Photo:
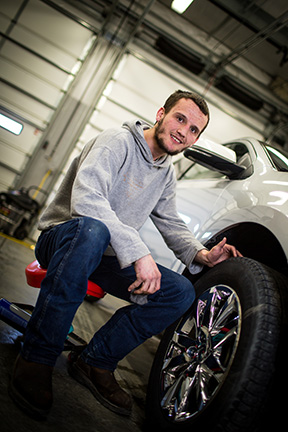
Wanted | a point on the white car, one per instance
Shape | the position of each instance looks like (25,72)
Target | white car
(219,367)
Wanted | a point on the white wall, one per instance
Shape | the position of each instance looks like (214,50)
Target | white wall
(37,65)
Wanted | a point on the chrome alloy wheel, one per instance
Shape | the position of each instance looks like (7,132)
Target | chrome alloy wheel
(200,353)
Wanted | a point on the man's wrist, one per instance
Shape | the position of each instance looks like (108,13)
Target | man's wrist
(202,257)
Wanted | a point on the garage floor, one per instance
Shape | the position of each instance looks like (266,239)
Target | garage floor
(74,408)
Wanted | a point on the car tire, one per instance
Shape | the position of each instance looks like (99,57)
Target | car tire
(215,367)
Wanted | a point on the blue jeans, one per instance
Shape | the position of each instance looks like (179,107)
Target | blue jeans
(72,252)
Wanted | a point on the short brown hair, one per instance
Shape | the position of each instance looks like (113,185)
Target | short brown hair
(195,97)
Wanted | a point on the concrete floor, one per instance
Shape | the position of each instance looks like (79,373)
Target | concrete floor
(74,406)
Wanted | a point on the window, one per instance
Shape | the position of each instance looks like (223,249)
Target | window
(10,125)
(187,170)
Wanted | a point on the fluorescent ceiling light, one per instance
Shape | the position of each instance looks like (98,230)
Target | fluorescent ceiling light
(10,124)
(180,5)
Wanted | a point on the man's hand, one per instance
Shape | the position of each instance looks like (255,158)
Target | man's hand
(221,252)
(148,276)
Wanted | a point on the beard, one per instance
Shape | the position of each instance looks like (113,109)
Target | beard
(160,142)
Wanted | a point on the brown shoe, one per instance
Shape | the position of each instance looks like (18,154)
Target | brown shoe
(103,385)
(31,387)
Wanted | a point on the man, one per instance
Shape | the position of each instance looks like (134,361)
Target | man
(90,230)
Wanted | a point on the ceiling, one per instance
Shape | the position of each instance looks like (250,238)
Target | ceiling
(232,23)
(237,47)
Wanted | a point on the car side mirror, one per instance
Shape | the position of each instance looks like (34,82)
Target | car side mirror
(214,162)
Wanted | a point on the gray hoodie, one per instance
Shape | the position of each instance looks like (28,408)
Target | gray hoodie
(116,180)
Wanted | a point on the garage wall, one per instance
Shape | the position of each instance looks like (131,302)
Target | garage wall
(41,52)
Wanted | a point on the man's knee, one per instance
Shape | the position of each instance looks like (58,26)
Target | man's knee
(95,231)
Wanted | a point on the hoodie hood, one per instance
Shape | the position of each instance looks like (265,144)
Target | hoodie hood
(136,128)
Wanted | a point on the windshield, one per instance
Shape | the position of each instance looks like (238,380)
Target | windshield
(279,157)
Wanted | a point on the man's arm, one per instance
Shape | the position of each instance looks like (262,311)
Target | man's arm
(148,277)
(221,252)
(174,231)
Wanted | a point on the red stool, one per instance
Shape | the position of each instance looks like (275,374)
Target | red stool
(35,274)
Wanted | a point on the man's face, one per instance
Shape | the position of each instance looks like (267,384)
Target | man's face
(180,127)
